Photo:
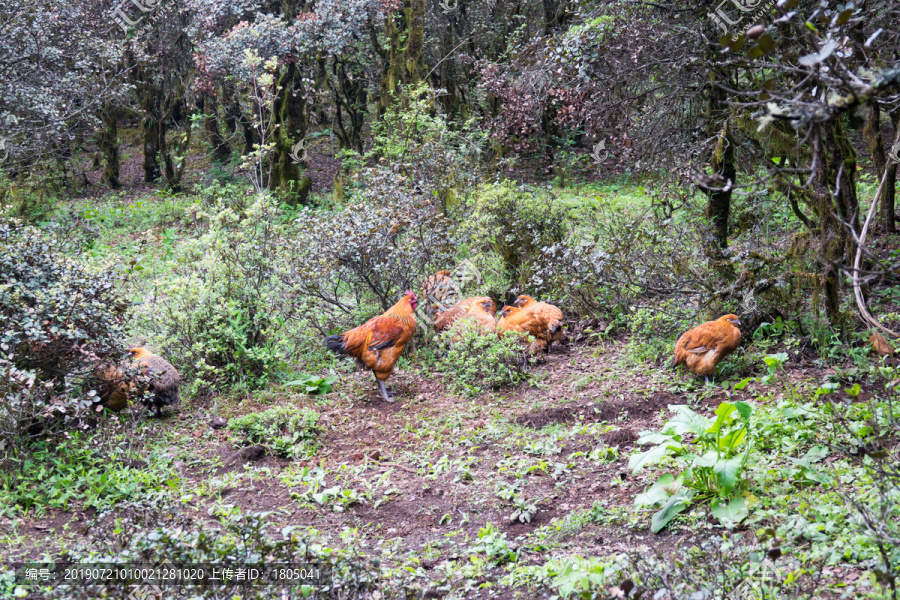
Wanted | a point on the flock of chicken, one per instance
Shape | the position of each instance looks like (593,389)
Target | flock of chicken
(378,343)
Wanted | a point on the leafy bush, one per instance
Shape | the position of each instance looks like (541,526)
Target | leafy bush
(386,243)
(713,461)
(287,431)
(515,222)
(654,328)
(220,317)
(623,258)
(492,545)
(58,317)
(477,360)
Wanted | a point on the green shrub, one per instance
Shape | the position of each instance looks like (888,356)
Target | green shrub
(476,360)
(654,329)
(219,318)
(712,460)
(285,430)
(24,201)
(312,384)
(385,244)
(58,318)
(516,222)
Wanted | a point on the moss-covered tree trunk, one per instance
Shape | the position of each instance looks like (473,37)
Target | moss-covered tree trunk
(149,99)
(221,150)
(235,119)
(402,66)
(875,140)
(888,211)
(718,206)
(350,96)
(108,142)
(175,156)
(413,67)
(390,71)
(835,192)
(289,159)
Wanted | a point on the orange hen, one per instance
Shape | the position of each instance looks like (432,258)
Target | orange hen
(513,318)
(378,343)
(479,308)
(702,348)
(548,313)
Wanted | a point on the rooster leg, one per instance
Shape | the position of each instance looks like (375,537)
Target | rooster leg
(384,393)
(549,344)
(706,377)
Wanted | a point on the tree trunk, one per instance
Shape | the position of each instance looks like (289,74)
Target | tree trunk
(845,198)
(108,141)
(221,151)
(150,132)
(413,70)
(554,15)
(175,164)
(390,71)
(718,208)
(291,125)
(833,238)
(889,192)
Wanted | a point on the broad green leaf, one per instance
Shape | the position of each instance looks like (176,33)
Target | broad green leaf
(652,437)
(708,460)
(656,494)
(745,409)
(685,420)
(729,513)
(727,471)
(733,439)
(651,456)
(773,360)
(742,384)
(722,412)
(675,505)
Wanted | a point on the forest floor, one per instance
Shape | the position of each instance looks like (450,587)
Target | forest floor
(419,482)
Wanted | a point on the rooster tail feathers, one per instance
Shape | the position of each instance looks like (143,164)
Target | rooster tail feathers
(335,343)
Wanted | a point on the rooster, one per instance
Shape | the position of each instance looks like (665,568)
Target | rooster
(379,342)
(480,308)
(548,313)
(513,318)
(702,348)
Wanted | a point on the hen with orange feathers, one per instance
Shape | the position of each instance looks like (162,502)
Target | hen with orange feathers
(702,348)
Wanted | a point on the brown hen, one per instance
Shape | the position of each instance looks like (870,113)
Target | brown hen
(480,308)
(548,313)
(704,346)
(513,318)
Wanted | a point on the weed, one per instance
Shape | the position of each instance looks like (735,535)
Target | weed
(285,430)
